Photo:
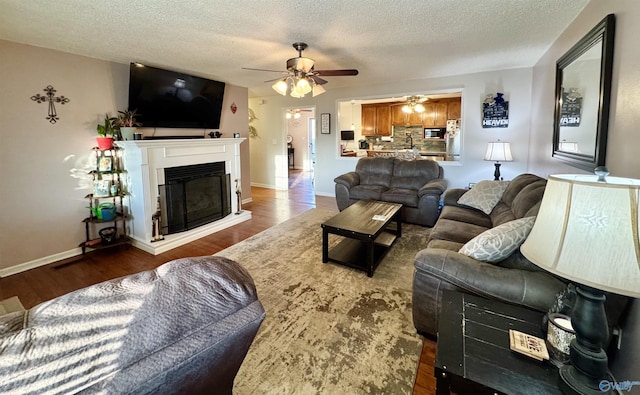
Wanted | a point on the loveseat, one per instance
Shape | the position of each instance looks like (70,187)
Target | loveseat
(183,328)
(514,279)
(416,184)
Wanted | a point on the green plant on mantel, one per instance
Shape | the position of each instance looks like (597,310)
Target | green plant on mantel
(127,119)
(108,128)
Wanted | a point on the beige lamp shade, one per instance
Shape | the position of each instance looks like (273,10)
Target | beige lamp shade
(498,151)
(587,231)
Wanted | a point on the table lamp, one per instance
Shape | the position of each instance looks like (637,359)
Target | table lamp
(587,231)
(498,151)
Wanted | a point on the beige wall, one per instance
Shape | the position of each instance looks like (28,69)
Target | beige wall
(623,142)
(42,204)
(515,83)
(622,153)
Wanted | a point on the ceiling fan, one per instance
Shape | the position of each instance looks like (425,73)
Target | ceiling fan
(301,77)
(414,104)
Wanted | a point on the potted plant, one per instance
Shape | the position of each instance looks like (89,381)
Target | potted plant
(106,131)
(127,123)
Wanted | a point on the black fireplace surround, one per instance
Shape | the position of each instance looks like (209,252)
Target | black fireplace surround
(194,195)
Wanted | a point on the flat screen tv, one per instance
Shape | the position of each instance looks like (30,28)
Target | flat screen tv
(347,135)
(169,99)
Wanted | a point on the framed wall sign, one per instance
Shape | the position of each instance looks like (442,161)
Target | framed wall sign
(325,122)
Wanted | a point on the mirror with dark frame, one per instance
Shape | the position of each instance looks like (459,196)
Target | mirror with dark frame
(583,90)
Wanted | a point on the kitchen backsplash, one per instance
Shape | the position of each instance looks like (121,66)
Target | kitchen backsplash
(401,141)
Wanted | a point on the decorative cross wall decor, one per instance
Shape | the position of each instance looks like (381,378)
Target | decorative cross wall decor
(50,97)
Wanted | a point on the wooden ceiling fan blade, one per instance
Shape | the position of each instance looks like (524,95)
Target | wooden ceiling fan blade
(336,73)
(318,80)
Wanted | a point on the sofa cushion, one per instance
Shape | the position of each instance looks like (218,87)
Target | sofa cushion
(467,216)
(485,195)
(456,231)
(375,171)
(498,243)
(445,245)
(527,202)
(406,197)
(410,174)
(501,214)
(517,185)
(367,191)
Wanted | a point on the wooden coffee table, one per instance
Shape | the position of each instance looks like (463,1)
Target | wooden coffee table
(367,235)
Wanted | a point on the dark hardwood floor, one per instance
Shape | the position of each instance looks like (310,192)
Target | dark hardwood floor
(268,207)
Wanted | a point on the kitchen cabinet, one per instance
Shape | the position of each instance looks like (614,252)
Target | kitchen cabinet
(400,118)
(435,114)
(376,119)
(454,109)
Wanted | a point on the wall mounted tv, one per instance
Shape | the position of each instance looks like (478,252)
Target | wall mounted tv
(168,99)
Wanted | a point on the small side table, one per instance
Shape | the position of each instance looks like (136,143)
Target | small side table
(473,354)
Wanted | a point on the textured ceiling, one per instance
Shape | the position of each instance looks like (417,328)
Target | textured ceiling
(386,40)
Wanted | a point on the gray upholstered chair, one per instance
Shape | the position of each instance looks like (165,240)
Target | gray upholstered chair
(183,328)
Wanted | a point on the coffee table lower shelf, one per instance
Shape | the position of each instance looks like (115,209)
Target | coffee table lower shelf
(353,252)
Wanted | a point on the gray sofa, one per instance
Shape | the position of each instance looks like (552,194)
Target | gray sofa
(439,266)
(416,184)
(184,327)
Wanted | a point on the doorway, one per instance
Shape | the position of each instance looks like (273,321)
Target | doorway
(300,135)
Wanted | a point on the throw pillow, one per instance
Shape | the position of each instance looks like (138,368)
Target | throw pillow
(498,243)
(484,195)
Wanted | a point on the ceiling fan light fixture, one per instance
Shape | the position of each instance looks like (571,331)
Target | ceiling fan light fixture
(418,108)
(295,93)
(303,87)
(406,109)
(281,87)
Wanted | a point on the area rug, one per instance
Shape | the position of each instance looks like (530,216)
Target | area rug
(329,329)
(10,305)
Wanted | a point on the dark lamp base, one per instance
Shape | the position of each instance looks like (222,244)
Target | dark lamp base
(589,363)
(496,174)
(573,382)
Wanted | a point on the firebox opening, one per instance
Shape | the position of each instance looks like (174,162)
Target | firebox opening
(194,195)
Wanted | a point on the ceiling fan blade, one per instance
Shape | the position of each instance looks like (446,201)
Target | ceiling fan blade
(273,71)
(274,79)
(318,80)
(336,73)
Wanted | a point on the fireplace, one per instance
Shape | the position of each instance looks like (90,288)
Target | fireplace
(193,196)
(206,167)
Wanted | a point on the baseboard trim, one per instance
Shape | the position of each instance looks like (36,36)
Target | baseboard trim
(206,230)
(23,267)
(268,186)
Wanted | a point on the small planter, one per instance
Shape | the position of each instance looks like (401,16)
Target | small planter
(107,211)
(105,142)
(127,132)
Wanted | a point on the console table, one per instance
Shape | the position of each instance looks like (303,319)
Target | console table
(473,354)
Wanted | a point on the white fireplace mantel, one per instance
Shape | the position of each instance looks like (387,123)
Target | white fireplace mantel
(145,161)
